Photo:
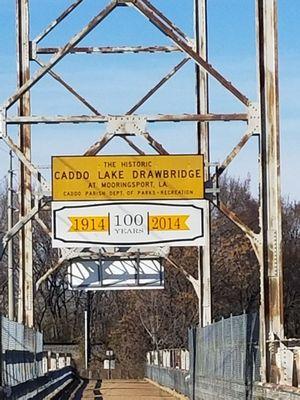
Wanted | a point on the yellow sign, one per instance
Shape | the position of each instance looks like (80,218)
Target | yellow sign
(155,223)
(89,224)
(77,178)
(168,223)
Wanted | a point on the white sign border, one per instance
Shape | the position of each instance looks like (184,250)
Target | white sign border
(160,243)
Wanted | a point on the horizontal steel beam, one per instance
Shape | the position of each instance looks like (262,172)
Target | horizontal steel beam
(57,119)
(122,255)
(111,49)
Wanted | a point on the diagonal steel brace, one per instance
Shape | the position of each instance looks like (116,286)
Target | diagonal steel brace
(60,54)
(155,17)
(254,127)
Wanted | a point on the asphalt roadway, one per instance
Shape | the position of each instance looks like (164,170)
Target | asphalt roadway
(123,390)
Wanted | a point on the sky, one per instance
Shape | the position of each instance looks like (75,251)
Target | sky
(113,83)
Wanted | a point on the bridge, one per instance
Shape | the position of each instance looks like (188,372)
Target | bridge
(144,272)
(203,371)
(133,390)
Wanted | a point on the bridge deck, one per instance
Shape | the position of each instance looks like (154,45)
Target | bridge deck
(125,390)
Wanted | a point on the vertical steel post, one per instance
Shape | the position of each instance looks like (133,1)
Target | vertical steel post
(272,268)
(86,345)
(109,368)
(262,325)
(202,103)
(25,314)
(87,335)
(200,288)
(10,253)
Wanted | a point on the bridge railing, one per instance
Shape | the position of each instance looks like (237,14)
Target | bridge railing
(21,353)
(225,358)
(24,367)
(170,368)
(224,363)
(54,361)
(170,358)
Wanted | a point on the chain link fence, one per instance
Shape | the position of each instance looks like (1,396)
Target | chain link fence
(21,353)
(170,368)
(225,358)
(223,361)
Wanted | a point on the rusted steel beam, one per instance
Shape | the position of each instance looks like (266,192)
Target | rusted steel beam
(195,282)
(21,224)
(69,254)
(235,151)
(271,169)
(10,245)
(25,306)
(86,103)
(111,49)
(202,107)
(158,86)
(54,23)
(133,146)
(255,238)
(155,17)
(235,219)
(42,224)
(197,117)
(58,56)
(24,221)
(26,162)
(154,144)
(202,93)
(34,119)
(126,253)
(166,20)
(271,311)
(70,89)
(97,146)
(94,149)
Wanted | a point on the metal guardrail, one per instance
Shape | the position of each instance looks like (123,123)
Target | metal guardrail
(44,387)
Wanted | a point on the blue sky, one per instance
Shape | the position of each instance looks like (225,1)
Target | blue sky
(113,83)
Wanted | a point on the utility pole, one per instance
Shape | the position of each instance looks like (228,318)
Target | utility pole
(271,267)
(202,104)
(10,252)
(25,312)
